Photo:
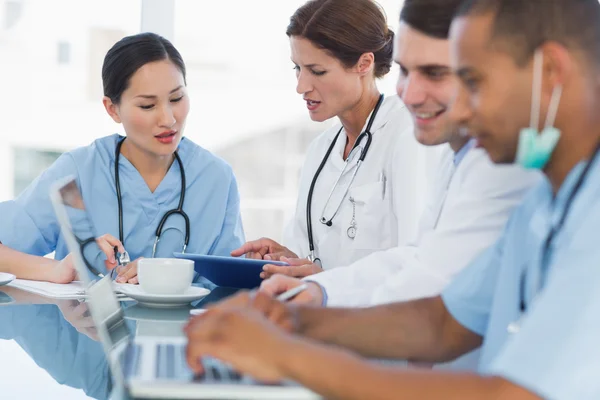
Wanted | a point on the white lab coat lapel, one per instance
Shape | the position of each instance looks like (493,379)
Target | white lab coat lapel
(438,195)
(377,218)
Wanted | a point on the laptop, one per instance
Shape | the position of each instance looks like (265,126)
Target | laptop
(144,366)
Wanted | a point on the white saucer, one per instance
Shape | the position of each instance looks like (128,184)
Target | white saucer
(6,278)
(163,300)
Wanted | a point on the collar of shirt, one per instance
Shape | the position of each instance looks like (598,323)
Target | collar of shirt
(460,154)
(389,108)
(551,207)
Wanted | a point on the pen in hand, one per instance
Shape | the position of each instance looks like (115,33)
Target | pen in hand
(290,294)
(285,296)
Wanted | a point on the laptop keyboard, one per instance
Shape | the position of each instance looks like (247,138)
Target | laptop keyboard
(171,364)
(215,371)
(131,359)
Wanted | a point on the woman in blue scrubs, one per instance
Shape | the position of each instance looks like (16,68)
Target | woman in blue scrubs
(145,90)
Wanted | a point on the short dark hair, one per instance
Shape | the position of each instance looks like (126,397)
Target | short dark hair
(430,17)
(524,25)
(130,54)
(346,29)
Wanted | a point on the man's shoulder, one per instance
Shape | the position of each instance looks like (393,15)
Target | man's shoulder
(478,173)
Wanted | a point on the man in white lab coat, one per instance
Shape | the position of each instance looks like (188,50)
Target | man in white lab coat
(469,203)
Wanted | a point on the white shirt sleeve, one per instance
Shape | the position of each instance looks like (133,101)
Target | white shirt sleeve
(472,221)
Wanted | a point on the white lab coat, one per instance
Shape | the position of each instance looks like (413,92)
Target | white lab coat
(467,210)
(386,208)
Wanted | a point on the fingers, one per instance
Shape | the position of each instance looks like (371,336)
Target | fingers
(107,244)
(193,354)
(113,241)
(245,248)
(297,271)
(279,284)
(313,295)
(128,273)
(203,332)
(259,255)
(295,261)
(274,310)
(266,275)
(270,270)
(260,246)
(279,253)
(280,316)
(275,256)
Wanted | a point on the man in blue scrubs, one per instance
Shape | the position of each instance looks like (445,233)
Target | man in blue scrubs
(530,94)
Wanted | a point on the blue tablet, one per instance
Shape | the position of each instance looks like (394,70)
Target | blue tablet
(236,272)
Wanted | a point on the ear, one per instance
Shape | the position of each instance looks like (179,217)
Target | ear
(559,66)
(112,109)
(365,64)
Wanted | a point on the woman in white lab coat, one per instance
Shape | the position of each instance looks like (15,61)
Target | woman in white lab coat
(346,208)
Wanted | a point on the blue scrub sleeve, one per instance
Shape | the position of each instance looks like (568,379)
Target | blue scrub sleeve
(556,352)
(469,296)
(29,223)
(232,232)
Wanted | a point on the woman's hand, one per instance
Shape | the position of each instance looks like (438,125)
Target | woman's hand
(64,271)
(298,268)
(263,249)
(107,244)
(128,273)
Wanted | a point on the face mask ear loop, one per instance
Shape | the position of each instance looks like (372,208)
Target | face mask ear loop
(536,92)
(553,107)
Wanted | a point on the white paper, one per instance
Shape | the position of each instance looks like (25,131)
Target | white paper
(73,290)
(70,291)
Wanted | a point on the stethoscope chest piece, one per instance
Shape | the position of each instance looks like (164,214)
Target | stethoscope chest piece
(351,232)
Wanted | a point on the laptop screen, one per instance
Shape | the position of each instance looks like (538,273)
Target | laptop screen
(78,230)
(88,259)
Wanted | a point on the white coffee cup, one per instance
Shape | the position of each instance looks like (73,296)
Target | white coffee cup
(165,275)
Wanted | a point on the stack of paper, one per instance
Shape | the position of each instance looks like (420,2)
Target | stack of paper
(73,290)
(69,291)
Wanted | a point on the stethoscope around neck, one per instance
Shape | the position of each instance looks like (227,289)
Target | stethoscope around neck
(329,221)
(515,326)
(176,211)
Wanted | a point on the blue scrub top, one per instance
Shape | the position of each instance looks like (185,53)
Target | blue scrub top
(556,352)
(212,203)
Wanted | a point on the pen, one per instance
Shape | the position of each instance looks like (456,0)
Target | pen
(290,294)
(382,179)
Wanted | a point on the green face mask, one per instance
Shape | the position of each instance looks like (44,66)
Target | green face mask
(535,148)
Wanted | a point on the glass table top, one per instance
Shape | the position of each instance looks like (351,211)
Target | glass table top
(50,349)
